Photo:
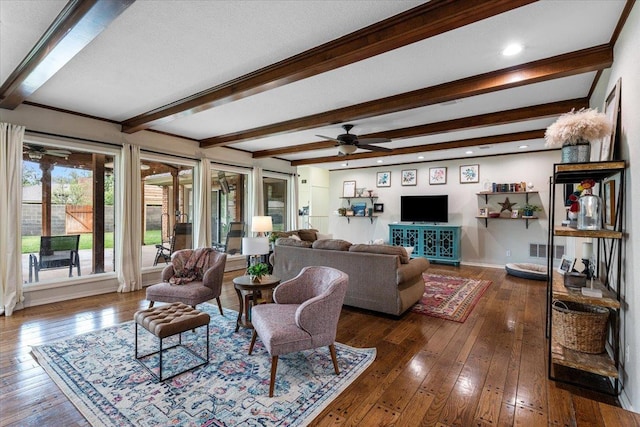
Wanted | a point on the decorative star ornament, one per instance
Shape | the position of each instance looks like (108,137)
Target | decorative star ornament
(506,205)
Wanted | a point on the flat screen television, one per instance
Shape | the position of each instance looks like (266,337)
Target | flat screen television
(432,208)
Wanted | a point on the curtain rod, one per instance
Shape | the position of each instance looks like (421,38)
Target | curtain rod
(36,132)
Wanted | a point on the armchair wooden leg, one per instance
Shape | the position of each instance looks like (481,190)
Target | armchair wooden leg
(332,349)
(274,367)
(219,306)
(253,341)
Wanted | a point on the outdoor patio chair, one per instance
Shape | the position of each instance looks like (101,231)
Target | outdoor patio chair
(55,252)
(181,239)
(305,315)
(233,243)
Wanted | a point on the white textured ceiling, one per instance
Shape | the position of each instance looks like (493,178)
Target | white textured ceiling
(158,52)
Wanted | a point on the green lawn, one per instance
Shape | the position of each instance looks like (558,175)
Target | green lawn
(31,244)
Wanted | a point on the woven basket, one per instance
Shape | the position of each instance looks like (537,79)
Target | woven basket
(580,327)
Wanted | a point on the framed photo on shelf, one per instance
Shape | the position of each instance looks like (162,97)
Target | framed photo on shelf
(437,176)
(609,203)
(378,207)
(409,177)
(515,213)
(566,264)
(469,174)
(483,212)
(349,189)
(359,209)
(611,110)
(383,179)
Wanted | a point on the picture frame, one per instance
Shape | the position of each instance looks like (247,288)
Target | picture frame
(515,213)
(359,209)
(483,212)
(409,177)
(349,189)
(437,176)
(378,207)
(348,212)
(469,174)
(609,203)
(566,264)
(383,179)
(611,110)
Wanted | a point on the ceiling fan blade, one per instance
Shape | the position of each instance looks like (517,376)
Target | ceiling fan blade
(329,138)
(58,153)
(374,148)
(373,140)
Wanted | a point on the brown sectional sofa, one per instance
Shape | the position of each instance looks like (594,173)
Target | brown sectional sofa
(381,278)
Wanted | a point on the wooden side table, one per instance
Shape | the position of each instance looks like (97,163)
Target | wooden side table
(252,291)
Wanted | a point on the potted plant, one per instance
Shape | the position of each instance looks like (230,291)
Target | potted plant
(574,131)
(256,271)
(528,210)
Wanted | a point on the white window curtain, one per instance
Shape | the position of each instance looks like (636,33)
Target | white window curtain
(202,220)
(258,196)
(129,218)
(11,296)
(293,202)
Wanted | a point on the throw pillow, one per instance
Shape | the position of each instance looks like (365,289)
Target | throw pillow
(378,242)
(295,237)
(382,249)
(324,236)
(287,241)
(309,235)
(332,244)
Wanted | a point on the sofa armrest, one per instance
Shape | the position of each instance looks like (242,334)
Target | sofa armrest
(414,268)
(167,273)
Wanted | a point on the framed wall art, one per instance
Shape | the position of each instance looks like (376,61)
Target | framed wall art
(611,110)
(437,176)
(483,212)
(383,179)
(409,177)
(378,207)
(349,189)
(469,174)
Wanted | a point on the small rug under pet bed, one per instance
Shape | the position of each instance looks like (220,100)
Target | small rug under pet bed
(99,374)
(449,297)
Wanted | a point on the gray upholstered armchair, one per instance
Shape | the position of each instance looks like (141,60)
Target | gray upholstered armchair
(305,315)
(193,292)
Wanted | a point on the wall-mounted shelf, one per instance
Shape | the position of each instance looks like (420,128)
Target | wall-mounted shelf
(526,194)
(358,217)
(372,198)
(524,218)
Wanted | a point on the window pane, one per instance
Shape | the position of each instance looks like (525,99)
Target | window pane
(275,200)
(67,213)
(228,207)
(167,210)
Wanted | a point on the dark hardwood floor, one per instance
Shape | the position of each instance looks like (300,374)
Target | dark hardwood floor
(487,371)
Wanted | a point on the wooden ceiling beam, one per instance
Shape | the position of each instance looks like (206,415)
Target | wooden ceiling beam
(570,64)
(75,27)
(473,122)
(472,142)
(424,21)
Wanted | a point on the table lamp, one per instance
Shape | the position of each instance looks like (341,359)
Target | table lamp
(254,247)
(261,224)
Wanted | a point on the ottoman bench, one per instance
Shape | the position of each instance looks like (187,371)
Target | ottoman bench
(166,321)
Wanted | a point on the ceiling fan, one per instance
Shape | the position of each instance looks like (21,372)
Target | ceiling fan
(36,152)
(348,143)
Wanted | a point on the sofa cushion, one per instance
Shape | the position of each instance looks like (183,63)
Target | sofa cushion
(279,234)
(382,249)
(332,244)
(287,241)
(310,235)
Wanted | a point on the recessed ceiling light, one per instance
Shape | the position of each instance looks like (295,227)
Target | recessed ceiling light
(379,161)
(344,164)
(420,157)
(512,49)
(523,146)
(468,152)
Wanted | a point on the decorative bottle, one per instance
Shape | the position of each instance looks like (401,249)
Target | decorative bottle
(590,213)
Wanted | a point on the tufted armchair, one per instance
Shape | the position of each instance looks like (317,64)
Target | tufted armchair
(305,315)
(194,292)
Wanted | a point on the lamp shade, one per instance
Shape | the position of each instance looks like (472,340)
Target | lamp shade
(255,245)
(261,224)
(347,149)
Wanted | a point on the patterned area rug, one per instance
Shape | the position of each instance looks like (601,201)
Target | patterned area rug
(449,297)
(99,374)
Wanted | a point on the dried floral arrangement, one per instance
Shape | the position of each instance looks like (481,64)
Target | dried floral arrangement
(583,125)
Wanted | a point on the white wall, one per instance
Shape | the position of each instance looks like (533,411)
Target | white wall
(626,67)
(480,245)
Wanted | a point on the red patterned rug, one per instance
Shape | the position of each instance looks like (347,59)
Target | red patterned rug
(449,297)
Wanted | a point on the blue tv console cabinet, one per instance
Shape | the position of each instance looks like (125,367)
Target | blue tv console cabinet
(438,243)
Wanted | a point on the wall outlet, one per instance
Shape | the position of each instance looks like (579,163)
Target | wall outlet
(508,252)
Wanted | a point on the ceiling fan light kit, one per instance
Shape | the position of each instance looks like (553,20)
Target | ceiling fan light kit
(347,149)
(348,143)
